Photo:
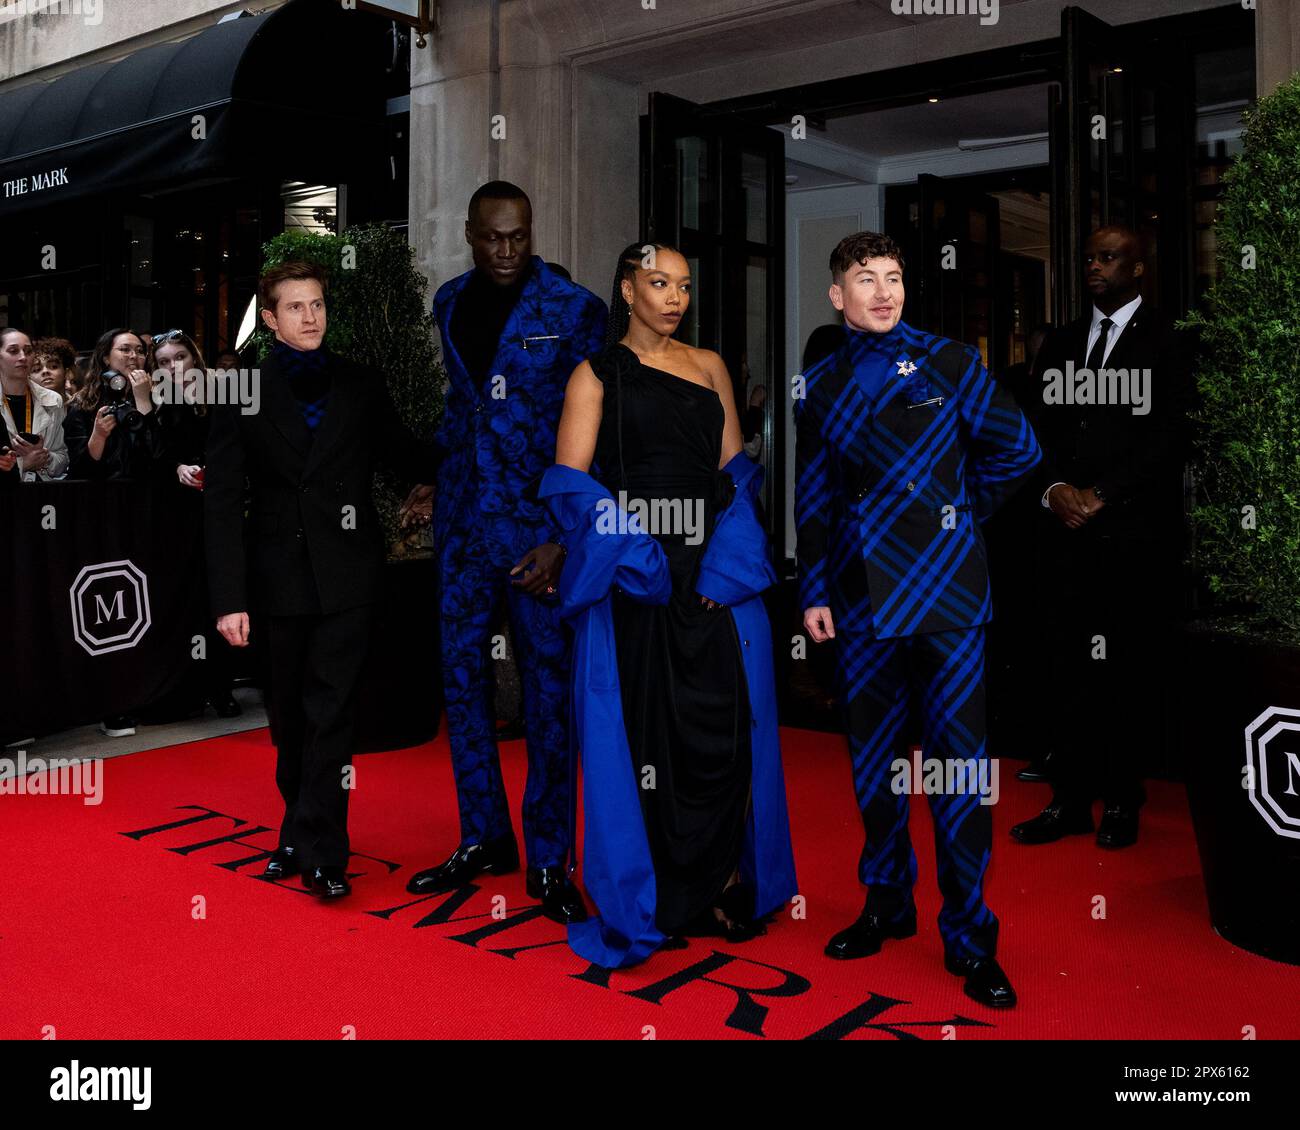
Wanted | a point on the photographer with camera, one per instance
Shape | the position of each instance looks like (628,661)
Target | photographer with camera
(32,444)
(112,430)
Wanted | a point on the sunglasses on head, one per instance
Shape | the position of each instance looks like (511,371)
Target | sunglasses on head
(167,336)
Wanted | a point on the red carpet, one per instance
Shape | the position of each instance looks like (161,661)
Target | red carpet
(100,935)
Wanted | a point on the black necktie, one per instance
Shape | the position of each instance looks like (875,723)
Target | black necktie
(1098,353)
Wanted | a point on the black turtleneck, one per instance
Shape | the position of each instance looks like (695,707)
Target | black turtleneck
(479,318)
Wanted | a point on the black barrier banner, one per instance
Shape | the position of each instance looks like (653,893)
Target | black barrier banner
(102,601)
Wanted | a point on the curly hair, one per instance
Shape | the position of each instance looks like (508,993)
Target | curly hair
(58,349)
(860,247)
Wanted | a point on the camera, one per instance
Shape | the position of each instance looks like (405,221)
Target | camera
(117,396)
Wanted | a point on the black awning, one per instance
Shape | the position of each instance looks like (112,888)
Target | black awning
(276,92)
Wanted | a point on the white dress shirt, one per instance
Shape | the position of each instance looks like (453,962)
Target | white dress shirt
(1121,318)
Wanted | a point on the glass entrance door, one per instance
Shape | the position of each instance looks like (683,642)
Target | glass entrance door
(959,242)
(713,186)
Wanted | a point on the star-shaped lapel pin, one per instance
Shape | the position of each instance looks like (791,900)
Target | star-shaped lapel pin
(906,368)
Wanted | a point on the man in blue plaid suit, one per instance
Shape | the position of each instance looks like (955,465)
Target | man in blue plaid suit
(905,444)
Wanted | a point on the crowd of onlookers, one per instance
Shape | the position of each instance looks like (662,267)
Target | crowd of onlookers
(105,414)
(131,408)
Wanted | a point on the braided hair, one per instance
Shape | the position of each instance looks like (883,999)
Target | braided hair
(629,262)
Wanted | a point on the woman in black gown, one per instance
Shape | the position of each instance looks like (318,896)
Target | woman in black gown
(656,418)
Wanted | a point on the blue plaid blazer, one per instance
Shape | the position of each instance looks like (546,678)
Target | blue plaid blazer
(904,445)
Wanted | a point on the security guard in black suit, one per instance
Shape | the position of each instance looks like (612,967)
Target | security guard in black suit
(315,554)
(1115,389)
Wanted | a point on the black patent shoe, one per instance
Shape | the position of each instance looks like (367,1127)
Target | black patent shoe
(467,862)
(327,882)
(560,899)
(985,980)
(1118,828)
(283,864)
(867,935)
(1053,823)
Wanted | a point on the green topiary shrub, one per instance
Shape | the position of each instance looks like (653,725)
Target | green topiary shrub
(378,315)
(1248,423)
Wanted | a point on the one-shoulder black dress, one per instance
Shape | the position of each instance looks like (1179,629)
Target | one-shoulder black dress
(684,695)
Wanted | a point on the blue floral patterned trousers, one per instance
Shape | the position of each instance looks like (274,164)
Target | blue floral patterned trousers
(474,577)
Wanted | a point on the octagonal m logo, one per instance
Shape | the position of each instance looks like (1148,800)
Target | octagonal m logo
(110,607)
(1273,758)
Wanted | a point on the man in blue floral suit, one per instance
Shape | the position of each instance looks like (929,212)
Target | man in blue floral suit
(513,330)
(904,445)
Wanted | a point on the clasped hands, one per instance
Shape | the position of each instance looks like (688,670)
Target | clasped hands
(1072,506)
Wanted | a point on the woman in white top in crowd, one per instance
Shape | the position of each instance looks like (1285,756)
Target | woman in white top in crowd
(33,415)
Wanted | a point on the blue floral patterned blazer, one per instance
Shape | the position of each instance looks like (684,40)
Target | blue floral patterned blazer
(500,438)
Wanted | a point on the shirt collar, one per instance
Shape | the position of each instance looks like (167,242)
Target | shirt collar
(1121,317)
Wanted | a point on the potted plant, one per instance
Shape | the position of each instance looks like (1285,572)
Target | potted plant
(1242,676)
(379,317)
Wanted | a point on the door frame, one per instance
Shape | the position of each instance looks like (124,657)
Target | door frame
(1036,62)
(723,241)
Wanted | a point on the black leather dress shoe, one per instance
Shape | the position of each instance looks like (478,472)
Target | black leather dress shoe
(1052,823)
(327,882)
(985,980)
(1037,770)
(560,899)
(868,934)
(283,863)
(1119,827)
(467,862)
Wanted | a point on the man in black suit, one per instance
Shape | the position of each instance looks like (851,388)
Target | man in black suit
(315,557)
(1114,395)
